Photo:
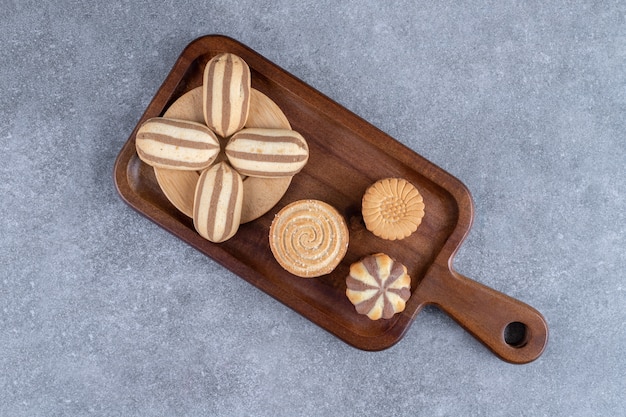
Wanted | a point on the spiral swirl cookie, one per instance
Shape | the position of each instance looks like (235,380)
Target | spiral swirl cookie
(308,238)
(378,286)
(392,208)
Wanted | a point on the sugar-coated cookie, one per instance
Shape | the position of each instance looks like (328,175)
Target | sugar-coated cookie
(309,238)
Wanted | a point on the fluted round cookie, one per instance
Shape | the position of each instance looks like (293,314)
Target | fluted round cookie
(378,286)
(392,208)
(308,238)
(260,194)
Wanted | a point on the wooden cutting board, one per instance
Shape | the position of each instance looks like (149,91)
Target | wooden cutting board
(347,154)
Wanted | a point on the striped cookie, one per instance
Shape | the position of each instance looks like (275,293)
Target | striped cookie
(217,203)
(258,152)
(226,94)
(176,144)
(378,286)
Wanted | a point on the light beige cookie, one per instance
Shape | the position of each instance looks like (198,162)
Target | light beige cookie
(217,203)
(309,238)
(267,153)
(226,94)
(176,144)
(378,286)
(392,208)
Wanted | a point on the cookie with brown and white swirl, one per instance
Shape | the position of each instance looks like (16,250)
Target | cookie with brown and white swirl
(378,286)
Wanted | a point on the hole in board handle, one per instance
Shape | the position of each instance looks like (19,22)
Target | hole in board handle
(516,334)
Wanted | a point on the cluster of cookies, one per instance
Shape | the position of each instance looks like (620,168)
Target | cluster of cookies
(309,238)
(377,285)
(221,149)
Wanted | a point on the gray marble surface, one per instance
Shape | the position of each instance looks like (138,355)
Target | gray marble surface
(104,313)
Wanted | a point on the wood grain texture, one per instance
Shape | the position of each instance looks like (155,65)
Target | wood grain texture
(347,154)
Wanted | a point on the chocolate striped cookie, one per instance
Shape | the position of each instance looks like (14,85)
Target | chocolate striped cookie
(176,144)
(378,286)
(226,94)
(258,152)
(217,203)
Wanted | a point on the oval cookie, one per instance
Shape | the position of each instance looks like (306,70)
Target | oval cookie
(176,144)
(217,203)
(226,93)
(267,152)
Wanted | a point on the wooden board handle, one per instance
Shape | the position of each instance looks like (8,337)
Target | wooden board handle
(514,331)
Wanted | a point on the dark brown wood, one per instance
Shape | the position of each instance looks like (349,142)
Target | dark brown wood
(347,154)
